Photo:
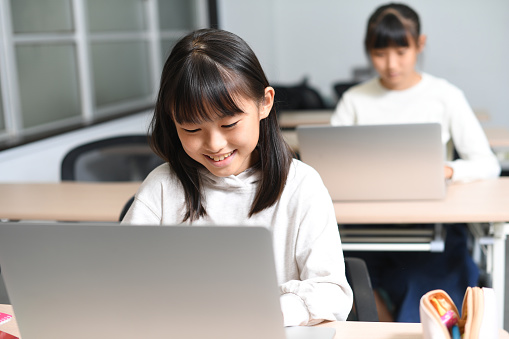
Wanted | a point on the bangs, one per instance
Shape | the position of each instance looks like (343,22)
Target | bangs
(390,31)
(205,92)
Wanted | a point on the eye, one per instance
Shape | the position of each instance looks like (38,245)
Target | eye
(402,51)
(230,125)
(191,130)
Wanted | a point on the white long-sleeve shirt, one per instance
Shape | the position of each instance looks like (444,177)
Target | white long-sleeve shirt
(431,100)
(307,247)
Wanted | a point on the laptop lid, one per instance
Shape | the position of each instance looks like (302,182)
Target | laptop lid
(81,280)
(376,162)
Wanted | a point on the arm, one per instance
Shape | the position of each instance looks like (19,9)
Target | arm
(158,200)
(477,160)
(140,214)
(321,291)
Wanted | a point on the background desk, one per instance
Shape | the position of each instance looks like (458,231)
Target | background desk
(477,202)
(344,329)
(66,201)
(498,137)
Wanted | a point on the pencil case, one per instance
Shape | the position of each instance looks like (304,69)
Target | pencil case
(441,320)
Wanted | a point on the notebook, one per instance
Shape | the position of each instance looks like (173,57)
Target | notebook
(78,280)
(376,162)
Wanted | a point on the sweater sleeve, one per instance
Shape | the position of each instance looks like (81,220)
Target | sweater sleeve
(141,214)
(146,208)
(477,160)
(322,285)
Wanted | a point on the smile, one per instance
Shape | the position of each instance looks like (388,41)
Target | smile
(220,157)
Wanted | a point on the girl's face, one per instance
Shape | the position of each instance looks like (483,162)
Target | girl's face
(225,146)
(396,64)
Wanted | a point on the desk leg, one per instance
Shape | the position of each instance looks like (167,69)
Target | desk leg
(497,258)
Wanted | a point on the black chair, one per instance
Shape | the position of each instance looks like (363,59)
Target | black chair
(342,87)
(364,306)
(119,158)
(125,209)
(297,97)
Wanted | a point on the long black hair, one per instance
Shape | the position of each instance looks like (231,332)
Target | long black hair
(206,70)
(391,25)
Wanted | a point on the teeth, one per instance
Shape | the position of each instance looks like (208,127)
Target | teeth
(222,157)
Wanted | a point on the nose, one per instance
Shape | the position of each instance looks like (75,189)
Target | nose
(215,141)
(391,60)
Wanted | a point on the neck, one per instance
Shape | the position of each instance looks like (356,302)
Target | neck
(412,80)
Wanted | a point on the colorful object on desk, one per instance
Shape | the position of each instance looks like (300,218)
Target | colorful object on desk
(447,315)
(478,315)
(456,332)
(438,306)
(5,335)
(449,319)
(4,317)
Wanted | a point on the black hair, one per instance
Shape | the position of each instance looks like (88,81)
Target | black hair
(205,72)
(391,25)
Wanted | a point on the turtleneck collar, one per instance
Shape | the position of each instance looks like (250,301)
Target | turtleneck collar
(245,180)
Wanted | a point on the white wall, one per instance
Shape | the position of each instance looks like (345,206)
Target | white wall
(468,43)
(40,161)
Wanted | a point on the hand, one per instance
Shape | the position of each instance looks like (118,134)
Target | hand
(448,171)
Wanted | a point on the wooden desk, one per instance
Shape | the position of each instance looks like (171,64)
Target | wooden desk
(291,119)
(497,136)
(381,330)
(344,329)
(66,201)
(479,201)
(484,201)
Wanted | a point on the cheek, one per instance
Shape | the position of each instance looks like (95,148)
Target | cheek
(189,143)
(377,63)
(248,136)
(411,60)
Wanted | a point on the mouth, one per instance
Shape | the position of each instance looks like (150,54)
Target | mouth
(221,157)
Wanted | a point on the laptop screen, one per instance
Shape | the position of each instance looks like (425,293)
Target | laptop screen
(140,281)
(376,162)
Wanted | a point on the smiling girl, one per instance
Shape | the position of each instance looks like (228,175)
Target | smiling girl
(227,164)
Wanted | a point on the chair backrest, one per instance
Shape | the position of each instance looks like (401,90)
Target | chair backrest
(342,87)
(297,97)
(120,158)
(363,298)
(126,208)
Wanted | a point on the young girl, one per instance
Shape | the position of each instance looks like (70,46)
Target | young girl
(401,94)
(227,164)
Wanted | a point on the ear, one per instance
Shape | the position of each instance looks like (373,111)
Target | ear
(422,42)
(267,102)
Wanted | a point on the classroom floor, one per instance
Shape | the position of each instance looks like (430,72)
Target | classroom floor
(4,299)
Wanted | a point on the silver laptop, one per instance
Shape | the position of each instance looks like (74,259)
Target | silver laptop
(376,162)
(118,281)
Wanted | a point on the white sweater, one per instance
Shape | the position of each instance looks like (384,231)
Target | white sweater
(307,247)
(431,100)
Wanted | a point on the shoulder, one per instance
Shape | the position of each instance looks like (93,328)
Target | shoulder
(440,86)
(303,177)
(305,192)
(162,172)
(162,178)
(368,87)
